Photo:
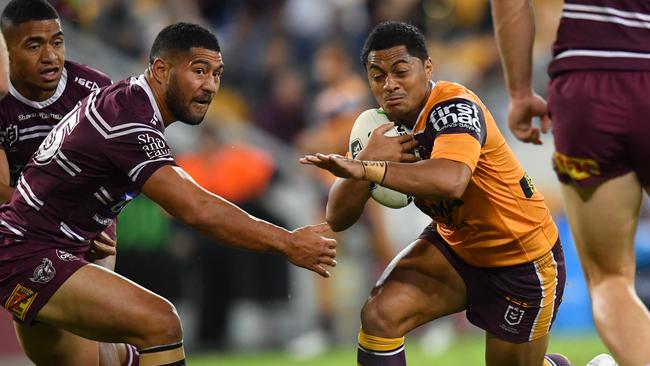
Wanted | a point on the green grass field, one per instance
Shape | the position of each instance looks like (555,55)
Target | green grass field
(465,352)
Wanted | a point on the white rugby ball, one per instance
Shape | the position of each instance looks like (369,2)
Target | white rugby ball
(359,136)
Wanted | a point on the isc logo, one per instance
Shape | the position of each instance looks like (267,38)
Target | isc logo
(88,84)
(456,113)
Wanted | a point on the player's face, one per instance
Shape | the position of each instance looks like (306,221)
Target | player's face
(399,82)
(194,81)
(36,56)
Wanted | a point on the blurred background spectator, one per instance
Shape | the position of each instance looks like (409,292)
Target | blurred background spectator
(293,84)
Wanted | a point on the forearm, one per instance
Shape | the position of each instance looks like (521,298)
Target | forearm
(347,199)
(226,223)
(176,192)
(514,27)
(437,177)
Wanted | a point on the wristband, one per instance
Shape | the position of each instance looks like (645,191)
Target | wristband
(374,171)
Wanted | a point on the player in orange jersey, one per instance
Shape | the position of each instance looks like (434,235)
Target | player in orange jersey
(492,248)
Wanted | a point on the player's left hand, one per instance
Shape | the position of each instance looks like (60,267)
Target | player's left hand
(521,112)
(338,165)
(101,247)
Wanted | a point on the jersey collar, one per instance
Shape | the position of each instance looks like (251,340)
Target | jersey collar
(47,102)
(142,82)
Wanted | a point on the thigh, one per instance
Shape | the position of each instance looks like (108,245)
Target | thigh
(503,353)
(418,286)
(46,345)
(603,222)
(101,305)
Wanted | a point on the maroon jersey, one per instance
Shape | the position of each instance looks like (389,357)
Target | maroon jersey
(25,123)
(87,169)
(602,35)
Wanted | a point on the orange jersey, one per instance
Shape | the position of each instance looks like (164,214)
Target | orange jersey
(501,219)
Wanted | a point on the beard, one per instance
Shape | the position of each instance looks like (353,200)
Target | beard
(174,100)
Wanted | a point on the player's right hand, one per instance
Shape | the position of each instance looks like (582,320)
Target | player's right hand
(389,148)
(101,247)
(338,165)
(308,248)
(521,112)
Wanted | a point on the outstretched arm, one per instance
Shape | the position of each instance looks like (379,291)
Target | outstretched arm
(176,192)
(441,178)
(514,26)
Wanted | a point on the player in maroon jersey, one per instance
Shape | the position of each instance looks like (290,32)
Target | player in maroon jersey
(598,101)
(44,88)
(103,154)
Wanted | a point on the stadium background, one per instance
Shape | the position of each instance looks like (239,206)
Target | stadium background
(293,84)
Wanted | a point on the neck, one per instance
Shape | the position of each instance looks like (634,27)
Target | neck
(159,96)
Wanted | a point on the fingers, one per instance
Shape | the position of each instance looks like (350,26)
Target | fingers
(321,227)
(545,123)
(320,270)
(408,144)
(408,158)
(328,261)
(106,239)
(103,249)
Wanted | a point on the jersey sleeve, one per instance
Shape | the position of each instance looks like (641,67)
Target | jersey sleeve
(457,147)
(140,153)
(459,130)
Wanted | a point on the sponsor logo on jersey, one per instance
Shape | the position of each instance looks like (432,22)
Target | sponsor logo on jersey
(457,114)
(153,146)
(40,115)
(527,186)
(102,220)
(44,272)
(19,301)
(88,84)
(65,256)
(513,315)
(576,168)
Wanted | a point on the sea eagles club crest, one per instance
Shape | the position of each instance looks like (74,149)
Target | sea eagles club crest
(44,272)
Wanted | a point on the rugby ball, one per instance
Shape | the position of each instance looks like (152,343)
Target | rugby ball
(359,136)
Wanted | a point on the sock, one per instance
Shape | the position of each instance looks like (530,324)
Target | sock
(377,351)
(169,355)
(555,359)
(132,355)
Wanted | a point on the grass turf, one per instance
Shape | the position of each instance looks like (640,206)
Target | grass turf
(464,352)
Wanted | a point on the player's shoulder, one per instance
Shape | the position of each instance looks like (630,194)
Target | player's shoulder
(126,102)
(454,109)
(86,76)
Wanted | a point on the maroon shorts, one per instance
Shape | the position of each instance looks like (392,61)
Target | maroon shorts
(516,303)
(600,125)
(28,282)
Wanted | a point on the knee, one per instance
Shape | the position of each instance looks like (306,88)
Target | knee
(377,319)
(163,326)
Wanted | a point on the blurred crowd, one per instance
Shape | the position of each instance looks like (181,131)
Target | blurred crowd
(293,84)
